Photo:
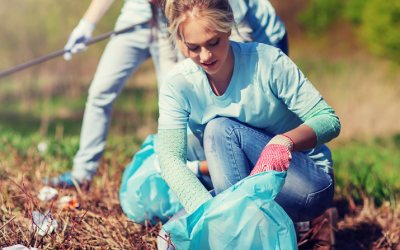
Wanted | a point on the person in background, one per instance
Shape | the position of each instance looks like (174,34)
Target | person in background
(123,54)
(251,109)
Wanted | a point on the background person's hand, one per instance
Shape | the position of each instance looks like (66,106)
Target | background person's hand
(82,32)
(275,156)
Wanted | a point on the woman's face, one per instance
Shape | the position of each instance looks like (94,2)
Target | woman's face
(206,47)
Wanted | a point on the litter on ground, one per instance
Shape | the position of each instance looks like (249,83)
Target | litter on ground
(68,202)
(47,193)
(43,224)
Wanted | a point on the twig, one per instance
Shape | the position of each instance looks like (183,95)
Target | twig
(5,224)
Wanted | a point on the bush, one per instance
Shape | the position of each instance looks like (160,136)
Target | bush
(380,28)
(353,10)
(378,22)
(320,14)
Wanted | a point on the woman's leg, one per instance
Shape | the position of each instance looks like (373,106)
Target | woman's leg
(232,150)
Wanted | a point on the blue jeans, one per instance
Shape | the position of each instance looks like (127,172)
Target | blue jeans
(123,54)
(232,149)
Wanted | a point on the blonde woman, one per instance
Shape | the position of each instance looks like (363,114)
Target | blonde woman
(250,107)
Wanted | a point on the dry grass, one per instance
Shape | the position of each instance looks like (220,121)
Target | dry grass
(368,227)
(98,223)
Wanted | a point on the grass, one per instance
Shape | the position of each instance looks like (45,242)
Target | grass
(372,167)
(99,222)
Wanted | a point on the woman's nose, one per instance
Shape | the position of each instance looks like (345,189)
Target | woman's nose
(205,55)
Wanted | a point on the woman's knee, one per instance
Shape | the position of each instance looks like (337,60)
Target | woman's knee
(101,98)
(215,130)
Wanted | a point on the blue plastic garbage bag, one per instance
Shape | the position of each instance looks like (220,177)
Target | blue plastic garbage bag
(144,194)
(245,216)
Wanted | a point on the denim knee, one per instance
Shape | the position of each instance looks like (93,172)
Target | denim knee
(101,98)
(215,129)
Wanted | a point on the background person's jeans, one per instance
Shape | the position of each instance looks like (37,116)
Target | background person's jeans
(123,54)
(232,150)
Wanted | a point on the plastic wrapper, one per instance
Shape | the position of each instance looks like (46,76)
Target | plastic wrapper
(245,216)
(43,224)
(144,194)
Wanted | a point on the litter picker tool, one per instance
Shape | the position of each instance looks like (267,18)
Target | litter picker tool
(62,51)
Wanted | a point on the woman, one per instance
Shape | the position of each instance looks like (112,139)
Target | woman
(250,107)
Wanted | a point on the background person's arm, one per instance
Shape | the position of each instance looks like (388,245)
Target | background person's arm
(96,10)
(83,31)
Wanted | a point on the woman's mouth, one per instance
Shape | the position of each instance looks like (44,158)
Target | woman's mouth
(209,65)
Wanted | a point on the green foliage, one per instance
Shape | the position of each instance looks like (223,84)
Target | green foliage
(372,167)
(353,10)
(380,28)
(378,22)
(320,14)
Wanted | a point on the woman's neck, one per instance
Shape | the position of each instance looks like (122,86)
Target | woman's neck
(219,82)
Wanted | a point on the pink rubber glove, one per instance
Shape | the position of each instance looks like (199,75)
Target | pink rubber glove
(275,156)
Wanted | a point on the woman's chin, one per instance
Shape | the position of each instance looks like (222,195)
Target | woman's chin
(211,70)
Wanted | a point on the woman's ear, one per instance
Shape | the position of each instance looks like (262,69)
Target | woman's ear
(229,33)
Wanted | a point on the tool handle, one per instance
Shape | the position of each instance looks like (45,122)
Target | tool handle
(62,51)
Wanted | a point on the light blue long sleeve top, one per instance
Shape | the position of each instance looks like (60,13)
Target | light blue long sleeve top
(266,91)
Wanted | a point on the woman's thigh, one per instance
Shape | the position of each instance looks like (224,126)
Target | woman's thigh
(232,150)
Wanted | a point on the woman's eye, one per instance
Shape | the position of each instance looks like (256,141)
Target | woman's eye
(216,43)
(193,49)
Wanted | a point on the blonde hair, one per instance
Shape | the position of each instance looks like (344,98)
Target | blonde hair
(217,14)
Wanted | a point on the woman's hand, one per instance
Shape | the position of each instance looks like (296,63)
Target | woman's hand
(275,156)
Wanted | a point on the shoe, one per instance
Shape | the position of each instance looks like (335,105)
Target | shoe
(63,181)
(322,235)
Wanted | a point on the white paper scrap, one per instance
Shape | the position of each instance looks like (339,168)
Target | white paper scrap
(47,193)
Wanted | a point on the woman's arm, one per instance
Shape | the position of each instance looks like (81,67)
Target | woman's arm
(172,148)
(320,125)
